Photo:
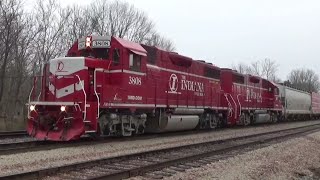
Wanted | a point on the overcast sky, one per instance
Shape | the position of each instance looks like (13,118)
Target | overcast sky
(226,32)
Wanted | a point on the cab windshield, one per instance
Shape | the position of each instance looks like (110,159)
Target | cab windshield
(100,53)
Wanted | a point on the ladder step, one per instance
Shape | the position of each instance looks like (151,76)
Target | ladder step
(129,129)
(92,131)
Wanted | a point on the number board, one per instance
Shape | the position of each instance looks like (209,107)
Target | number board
(100,44)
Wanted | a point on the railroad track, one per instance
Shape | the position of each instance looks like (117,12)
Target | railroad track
(28,145)
(6,134)
(18,147)
(163,162)
(36,145)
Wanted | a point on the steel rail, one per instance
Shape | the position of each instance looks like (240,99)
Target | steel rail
(5,134)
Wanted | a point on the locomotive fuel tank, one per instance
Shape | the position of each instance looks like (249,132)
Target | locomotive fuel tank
(179,123)
(163,122)
(261,117)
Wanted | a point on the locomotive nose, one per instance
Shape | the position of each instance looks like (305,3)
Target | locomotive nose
(47,121)
(55,123)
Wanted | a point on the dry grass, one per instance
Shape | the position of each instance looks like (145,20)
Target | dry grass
(13,124)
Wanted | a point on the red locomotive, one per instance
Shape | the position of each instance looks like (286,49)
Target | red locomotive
(110,86)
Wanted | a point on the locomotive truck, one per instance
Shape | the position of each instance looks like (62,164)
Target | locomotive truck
(109,86)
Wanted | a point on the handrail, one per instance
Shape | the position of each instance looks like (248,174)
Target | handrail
(239,104)
(85,99)
(95,91)
(33,90)
(39,95)
(30,101)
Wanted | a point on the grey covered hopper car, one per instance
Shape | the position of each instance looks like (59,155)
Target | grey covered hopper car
(296,103)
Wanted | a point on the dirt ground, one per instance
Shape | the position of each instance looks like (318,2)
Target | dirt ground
(12,124)
(297,158)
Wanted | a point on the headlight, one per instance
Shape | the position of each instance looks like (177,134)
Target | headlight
(88,42)
(63,108)
(32,107)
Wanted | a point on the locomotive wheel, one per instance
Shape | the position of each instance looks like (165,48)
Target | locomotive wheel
(104,127)
(274,118)
(246,119)
(135,132)
(213,121)
(95,136)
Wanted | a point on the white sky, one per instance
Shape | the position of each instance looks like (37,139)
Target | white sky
(226,32)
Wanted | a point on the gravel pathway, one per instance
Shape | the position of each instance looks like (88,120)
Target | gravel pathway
(297,158)
(16,139)
(42,159)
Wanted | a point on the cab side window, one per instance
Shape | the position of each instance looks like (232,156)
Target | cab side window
(116,56)
(134,62)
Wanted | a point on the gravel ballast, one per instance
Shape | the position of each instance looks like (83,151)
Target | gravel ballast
(43,159)
(16,140)
(298,158)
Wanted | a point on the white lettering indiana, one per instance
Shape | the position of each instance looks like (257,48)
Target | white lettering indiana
(192,86)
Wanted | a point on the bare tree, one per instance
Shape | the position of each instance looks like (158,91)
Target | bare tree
(241,68)
(51,24)
(9,13)
(255,68)
(16,52)
(78,25)
(269,69)
(119,19)
(159,41)
(29,39)
(264,68)
(22,57)
(123,20)
(304,79)
(98,13)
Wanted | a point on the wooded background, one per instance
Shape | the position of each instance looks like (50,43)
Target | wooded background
(28,39)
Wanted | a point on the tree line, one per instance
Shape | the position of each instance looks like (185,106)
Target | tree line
(30,38)
(300,78)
